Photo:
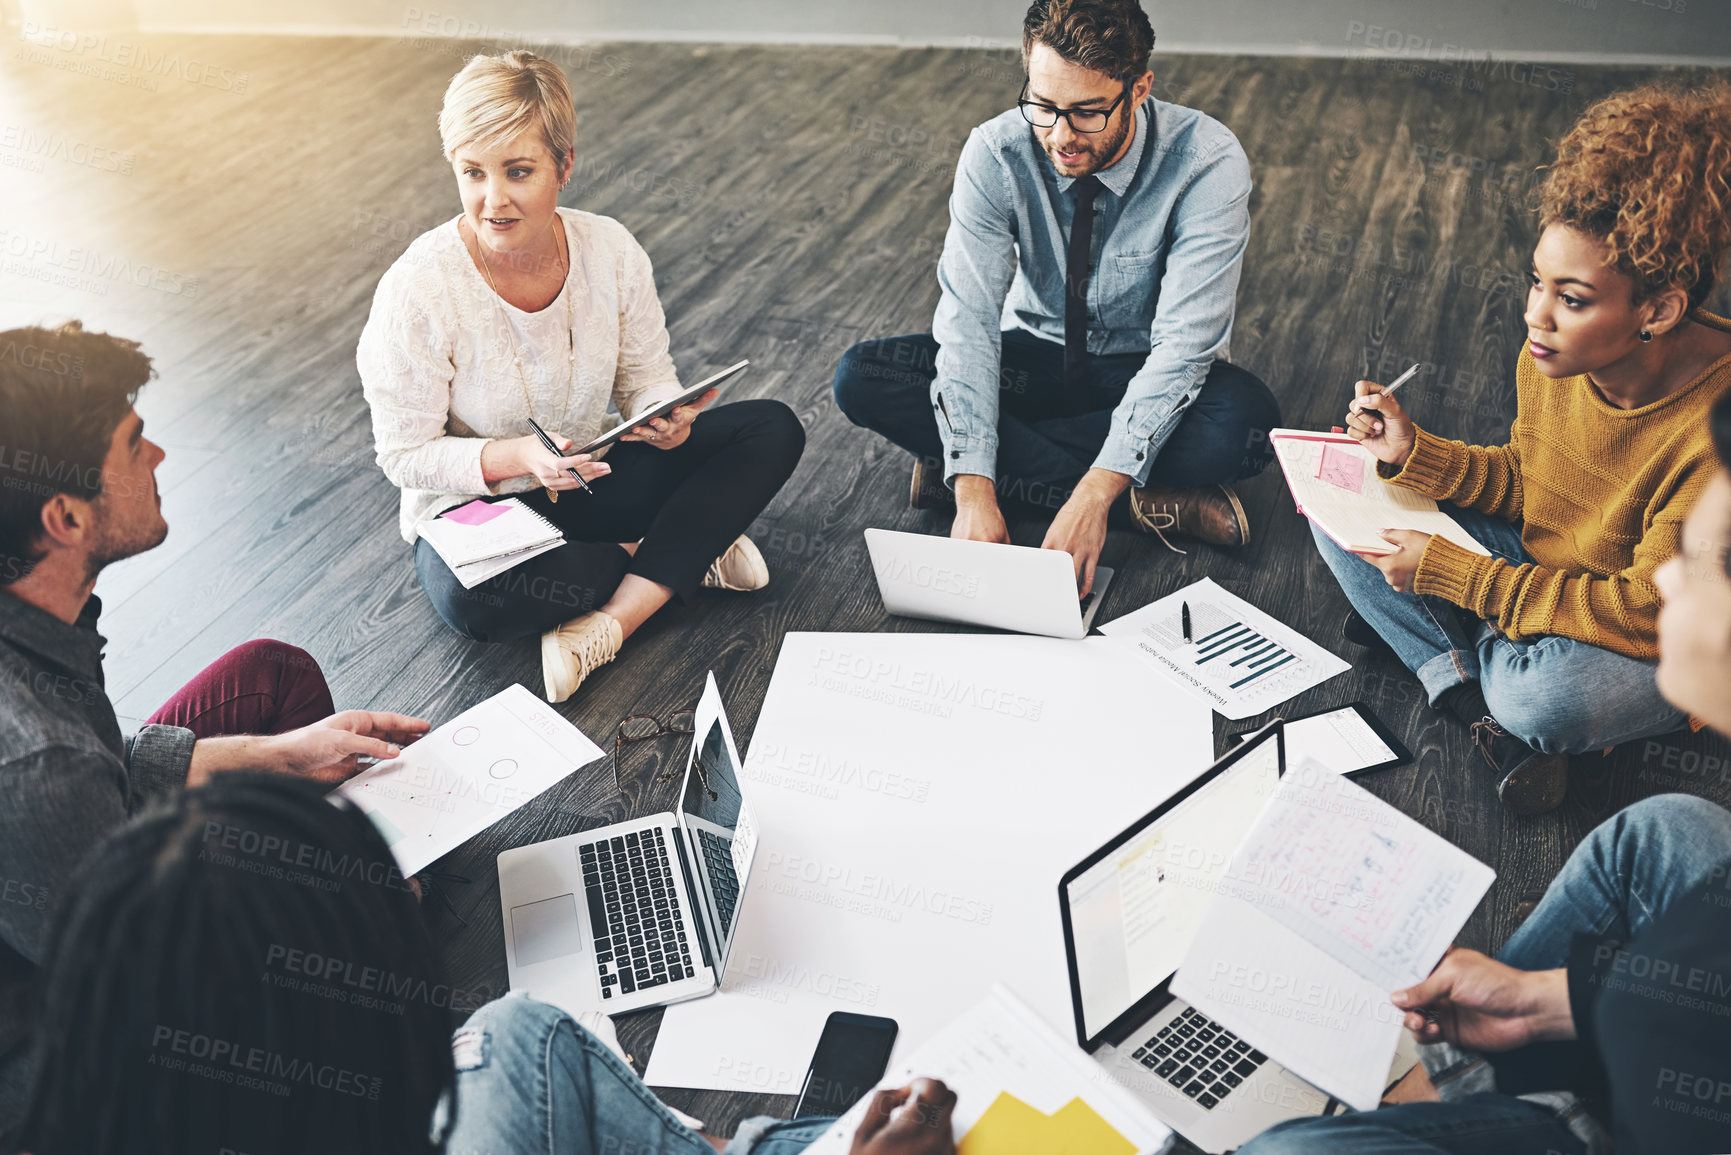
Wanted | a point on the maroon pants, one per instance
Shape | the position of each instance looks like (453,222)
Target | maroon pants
(259,687)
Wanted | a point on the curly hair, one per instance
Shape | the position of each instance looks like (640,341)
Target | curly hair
(1648,172)
(1110,36)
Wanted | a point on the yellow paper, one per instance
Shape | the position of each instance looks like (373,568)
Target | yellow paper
(1012,1127)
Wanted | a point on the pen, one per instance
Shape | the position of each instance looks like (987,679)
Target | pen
(1186,619)
(554,450)
(1395,384)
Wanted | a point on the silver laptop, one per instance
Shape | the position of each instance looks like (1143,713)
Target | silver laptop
(640,913)
(1129,911)
(982,583)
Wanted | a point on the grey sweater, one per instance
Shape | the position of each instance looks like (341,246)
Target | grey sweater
(67,779)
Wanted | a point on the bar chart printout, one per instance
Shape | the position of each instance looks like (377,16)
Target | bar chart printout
(1238,658)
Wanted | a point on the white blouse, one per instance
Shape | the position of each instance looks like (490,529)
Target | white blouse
(436,359)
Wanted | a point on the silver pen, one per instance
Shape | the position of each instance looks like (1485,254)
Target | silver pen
(1393,385)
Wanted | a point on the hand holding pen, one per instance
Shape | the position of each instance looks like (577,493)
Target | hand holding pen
(549,473)
(1379,423)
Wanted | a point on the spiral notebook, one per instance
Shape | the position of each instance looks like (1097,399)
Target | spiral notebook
(483,539)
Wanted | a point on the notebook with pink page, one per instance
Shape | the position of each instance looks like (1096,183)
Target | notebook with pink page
(1335,484)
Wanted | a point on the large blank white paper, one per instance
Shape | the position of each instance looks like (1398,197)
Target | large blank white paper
(1333,901)
(919,797)
(467,774)
(1014,1076)
(1238,659)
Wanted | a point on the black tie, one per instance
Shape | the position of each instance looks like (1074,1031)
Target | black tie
(1076,284)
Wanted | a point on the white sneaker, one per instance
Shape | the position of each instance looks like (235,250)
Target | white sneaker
(740,569)
(577,649)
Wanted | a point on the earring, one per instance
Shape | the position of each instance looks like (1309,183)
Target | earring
(1646,335)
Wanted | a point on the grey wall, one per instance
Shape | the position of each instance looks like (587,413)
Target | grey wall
(1627,30)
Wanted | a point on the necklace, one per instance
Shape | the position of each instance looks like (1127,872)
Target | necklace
(570,332)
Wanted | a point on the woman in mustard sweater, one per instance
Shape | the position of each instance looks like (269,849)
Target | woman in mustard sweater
(1546,648)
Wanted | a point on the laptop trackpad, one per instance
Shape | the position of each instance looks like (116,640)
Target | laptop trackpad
(545,930)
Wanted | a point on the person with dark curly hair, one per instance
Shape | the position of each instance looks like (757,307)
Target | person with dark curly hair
(1546,646)
(1616,990)
(243,969)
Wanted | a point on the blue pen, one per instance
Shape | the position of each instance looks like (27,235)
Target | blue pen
(554,450)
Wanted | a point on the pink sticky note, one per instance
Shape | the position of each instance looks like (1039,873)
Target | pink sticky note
(1341,467)
(477,512)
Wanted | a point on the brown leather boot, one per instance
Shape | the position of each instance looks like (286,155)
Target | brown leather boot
(1528,782)
(1211,513)
(927,489)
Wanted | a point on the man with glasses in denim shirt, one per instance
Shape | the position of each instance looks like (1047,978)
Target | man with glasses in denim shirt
(1075,354)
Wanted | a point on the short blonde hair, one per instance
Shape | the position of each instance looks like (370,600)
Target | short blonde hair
(495,99)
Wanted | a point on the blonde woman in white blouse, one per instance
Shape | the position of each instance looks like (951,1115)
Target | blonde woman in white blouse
(520,309)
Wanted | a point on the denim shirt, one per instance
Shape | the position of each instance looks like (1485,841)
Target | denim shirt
(1168,243)
(69,778)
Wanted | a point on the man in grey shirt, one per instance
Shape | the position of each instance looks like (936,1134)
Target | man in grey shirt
(78,491)
(1088,279)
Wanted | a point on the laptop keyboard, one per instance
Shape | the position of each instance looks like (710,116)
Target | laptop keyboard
(634,910)
(1200,1057)
(718,854)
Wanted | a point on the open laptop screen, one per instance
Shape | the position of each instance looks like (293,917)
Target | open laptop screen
(1134,912)
(712,804)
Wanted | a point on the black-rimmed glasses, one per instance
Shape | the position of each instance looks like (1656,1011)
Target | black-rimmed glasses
(642,727)
(1083,120)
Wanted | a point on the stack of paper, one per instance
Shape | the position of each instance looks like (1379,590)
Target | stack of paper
(1334,901)
(1335,484)
(484,539)
(1020,1090)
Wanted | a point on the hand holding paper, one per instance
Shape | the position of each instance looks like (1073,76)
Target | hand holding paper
(468,774)
(1474,1001)
(1333,901)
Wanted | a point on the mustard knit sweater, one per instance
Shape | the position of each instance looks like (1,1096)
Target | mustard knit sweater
(1600,494)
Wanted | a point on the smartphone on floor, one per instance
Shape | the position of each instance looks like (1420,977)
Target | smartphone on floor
(852,1055)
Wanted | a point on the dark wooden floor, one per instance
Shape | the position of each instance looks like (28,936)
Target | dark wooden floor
(793,200)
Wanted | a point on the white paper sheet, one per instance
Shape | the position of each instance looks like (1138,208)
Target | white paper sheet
(1239,660)
(1341,740)
(1000,1047)
(1333,901)
(467,774)
(920,795)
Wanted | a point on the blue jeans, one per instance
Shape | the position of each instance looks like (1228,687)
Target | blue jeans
(1048,437)
(1556,694)
(531,1080)
(1622,876)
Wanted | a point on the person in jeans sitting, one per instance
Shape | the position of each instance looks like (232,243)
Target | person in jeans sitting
(1546,646)
(1619,982)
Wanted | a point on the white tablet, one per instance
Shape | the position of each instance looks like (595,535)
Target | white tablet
(661,410)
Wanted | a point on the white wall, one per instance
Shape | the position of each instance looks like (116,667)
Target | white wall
(1612,30)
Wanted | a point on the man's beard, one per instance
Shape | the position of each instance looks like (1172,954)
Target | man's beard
(1098,155)
(119,543)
